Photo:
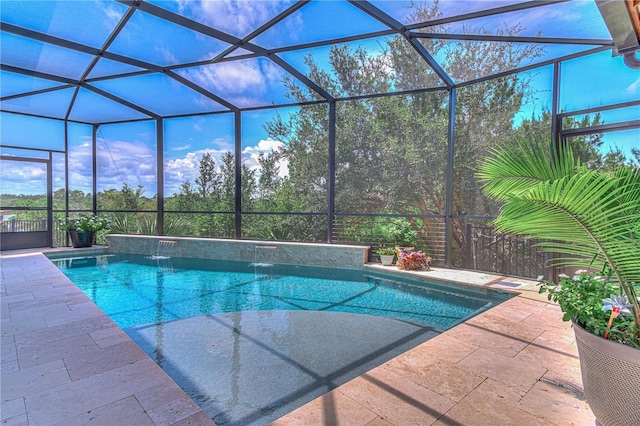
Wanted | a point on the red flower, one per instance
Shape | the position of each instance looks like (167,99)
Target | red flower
(412,261)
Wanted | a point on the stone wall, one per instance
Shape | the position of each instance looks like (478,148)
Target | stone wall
(329,255)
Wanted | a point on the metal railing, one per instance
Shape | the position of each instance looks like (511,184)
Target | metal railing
(17,225)
(490,251)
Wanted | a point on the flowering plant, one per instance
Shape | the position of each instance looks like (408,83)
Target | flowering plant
(412,261)
(591,301)
(83,223)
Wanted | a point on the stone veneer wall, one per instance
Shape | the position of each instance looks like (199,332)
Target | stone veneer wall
(330,255)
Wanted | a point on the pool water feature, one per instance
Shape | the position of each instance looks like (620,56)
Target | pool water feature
(250,342)
(165,249)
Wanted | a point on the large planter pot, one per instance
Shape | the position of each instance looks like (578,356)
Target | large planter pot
(611,378)
(403,249)
(82,239)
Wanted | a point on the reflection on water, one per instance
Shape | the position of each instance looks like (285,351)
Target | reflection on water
(250,342)
(250,368)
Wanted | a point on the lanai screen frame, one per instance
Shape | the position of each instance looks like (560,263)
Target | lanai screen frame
(411,33)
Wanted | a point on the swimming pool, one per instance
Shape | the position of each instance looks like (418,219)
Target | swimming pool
(251,342)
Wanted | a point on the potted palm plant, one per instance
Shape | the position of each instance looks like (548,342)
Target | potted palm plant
(587,219)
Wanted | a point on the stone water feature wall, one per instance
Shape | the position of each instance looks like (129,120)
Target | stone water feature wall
(328,255)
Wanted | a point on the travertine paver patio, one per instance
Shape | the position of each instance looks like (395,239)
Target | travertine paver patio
(64,362)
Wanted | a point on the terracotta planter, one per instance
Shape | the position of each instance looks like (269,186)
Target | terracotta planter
(403,249)
(611,378)
(82,239)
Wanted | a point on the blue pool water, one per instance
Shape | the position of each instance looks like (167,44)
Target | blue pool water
(251,342)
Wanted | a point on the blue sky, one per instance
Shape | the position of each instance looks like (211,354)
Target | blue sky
(586,82)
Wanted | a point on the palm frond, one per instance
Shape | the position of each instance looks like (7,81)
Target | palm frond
(587,218)
(514,168)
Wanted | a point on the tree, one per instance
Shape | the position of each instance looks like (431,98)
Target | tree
(187,199)
(269,181)
(587,148)
(227,188)
(391,151)
(214,195)
(207,181)
(126,198)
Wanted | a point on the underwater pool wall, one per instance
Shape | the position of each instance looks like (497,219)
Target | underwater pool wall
(329,255)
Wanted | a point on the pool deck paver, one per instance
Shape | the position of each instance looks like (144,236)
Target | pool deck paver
(515,364)
(65,362)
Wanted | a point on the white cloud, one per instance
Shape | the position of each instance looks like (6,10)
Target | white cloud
(250,155)
(187,168)
(181,169)
(633,88)
(17,177)
(167,55)
(237,17)
(244,82)
(272,72)
(112,14)
(130,162)
(224,144)
(229,78)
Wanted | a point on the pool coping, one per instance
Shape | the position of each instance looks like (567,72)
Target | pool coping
(46,318)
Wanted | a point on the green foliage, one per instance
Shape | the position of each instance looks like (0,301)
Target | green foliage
(269,182)
(126,198)
(403,233)
(213,194)
(146,224)
(270,227)
(580,298)
(84,222)
(208,180)
(586,148)
(123,223)
(588,217)
(386,251)
(391,151)
(177,225)
(78,200)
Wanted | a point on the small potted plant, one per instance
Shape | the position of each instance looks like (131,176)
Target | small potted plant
(82,230)
(386,255)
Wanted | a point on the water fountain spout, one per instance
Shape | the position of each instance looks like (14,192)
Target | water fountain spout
(263,259)
(165,249)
